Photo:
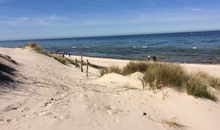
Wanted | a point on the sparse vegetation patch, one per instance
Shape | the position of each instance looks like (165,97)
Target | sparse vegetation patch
(158,75)
(165,74)
(35,47)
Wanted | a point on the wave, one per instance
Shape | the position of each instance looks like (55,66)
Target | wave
(144,46)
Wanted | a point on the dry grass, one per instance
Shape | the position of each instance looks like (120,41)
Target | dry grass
(60,59)
(165,74)
(209,80)
(112,69)
(158,75)
(133,67)
(64,60)
(35,47)
(97,66)
(130,68)
(173,124)
(197,86)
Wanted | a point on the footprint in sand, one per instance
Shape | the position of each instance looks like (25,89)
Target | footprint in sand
(25,109)
(48,104)
(11,120)
(11,107)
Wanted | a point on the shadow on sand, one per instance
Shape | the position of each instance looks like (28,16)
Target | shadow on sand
(7,72)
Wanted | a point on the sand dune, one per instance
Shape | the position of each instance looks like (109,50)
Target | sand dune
(51,96)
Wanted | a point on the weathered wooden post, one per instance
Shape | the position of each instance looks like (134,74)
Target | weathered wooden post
(87,68)
(76,64)
(81,64)
(63,54)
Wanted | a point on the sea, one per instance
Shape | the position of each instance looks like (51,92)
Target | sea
(185,47)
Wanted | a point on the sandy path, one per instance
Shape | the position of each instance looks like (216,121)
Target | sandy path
(54,96)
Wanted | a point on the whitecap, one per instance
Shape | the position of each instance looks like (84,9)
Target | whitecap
(144,46)
(73,47)
(194,48)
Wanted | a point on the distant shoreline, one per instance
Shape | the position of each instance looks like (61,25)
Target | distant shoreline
(112,58)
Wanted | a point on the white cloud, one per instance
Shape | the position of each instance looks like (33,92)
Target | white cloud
(171,16)
(196,9)
(30,21)
(149,18)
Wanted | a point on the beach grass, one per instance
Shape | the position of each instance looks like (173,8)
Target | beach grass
(62,60)
(209,80)
(133,67)
(130,68)
(112,69)
(173,124)
(158,75)
(35,47)
(197,86)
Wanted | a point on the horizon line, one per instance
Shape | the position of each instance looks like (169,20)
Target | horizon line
(113,35)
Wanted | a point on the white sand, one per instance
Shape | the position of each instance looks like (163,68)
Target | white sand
(52,96)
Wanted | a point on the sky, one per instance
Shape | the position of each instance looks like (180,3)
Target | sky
(30,19)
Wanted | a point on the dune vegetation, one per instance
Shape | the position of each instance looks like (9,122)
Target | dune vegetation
(158,75)
(35,47)
(62,59)
(130,68)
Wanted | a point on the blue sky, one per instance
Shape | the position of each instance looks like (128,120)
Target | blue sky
(24,19)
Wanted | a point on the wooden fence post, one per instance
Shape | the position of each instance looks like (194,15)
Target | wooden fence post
(81,64)
(87,68)
(63,54)
(76,63)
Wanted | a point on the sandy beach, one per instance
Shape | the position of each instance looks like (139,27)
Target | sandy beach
(47,95)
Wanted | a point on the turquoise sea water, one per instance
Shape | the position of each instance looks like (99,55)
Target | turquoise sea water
(193,47)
